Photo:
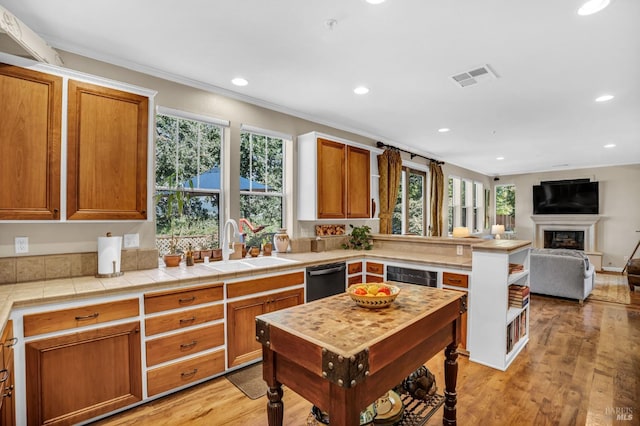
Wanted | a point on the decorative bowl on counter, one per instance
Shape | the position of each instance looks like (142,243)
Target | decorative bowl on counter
(373,295)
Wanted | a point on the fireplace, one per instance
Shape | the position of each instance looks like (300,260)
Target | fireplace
(569,229)
(564,239)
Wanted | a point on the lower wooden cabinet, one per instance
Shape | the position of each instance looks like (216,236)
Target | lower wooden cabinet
(79,376)
(7,404)
(242,346)
(459,282)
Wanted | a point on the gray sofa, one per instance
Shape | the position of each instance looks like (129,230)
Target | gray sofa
(562,273)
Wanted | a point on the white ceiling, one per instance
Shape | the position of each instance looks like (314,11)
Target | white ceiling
(539,114)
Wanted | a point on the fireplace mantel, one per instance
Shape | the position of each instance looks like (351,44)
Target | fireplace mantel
(566,222)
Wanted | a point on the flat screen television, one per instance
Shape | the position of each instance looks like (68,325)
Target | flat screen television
(566,197)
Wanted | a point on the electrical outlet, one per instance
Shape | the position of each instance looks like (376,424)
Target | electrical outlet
(22,245)
(459,250)
(131,240)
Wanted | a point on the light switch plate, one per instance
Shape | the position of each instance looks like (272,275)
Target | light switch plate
(459,250)
(22,245)
(131,240)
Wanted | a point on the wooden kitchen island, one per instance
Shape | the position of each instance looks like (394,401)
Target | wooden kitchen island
(342,357)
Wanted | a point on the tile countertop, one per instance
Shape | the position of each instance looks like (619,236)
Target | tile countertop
(70,289)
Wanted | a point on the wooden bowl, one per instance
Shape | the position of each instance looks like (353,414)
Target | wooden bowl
(373,301)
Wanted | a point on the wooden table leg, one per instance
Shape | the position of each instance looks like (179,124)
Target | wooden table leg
(275,407)
(450,379)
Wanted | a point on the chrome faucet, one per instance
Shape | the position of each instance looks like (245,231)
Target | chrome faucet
(227,242)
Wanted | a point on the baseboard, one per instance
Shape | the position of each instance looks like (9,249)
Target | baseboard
(612,269)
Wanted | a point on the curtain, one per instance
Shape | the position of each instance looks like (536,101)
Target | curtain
(437,198)
(390,169)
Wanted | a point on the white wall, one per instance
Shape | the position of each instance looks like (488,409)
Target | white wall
(619,207)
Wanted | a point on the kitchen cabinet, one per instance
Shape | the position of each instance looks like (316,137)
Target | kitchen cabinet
(354,273)
(7,403)
(374,272)
(75,377)
(334,178)
(30,128)
(242,346)
(459,282)
(186,326)
(106,153)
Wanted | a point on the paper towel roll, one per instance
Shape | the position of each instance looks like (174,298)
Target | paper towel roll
(109,252)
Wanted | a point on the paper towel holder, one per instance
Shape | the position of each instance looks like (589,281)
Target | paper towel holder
(115,273)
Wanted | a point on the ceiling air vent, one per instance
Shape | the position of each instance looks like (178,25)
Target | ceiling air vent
(474,76)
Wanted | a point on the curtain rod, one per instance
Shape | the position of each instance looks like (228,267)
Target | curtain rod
(384,145)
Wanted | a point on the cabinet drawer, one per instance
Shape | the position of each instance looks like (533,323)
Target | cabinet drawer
(243,288)
(375,268)
(183,319)
(184,372)
(374,279)
(65,319)
(182,298)
(458,280)
(354,268)
(183,344)
(356,279)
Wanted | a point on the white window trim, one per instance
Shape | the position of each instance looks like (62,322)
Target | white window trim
(191,116)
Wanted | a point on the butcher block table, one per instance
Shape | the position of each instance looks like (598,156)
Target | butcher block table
(342,357)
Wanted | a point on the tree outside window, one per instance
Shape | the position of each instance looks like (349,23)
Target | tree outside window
(261,186)
(409,214)
(188,154)
(506,206)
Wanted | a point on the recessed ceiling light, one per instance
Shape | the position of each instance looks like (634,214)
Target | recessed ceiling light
(499,158)
(239,81)
(592,6)
(604,98)
(375,1)
(610,145)
(444,130)
(361,90)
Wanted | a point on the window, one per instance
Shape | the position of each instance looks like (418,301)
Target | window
(261,185)
(410,213)
(506,207)
(466,205)
(188,158)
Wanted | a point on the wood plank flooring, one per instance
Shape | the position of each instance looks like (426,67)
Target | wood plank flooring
(581,366)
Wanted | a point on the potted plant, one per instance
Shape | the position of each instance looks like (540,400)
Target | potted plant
(360,238)
(267,247)
(175,201)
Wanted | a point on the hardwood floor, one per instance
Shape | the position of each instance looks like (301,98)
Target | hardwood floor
(581,367)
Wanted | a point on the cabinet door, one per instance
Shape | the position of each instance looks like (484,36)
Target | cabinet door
(242,346)
(331,180)
(30,117)
(241,330)
(107,153)
(358,182)
(78,376)
(7,404)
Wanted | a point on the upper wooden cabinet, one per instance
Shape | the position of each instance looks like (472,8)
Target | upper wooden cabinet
(30,124)
(107,153)
(333,179)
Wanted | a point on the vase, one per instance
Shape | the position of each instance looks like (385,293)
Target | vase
(266,249)
(281,240)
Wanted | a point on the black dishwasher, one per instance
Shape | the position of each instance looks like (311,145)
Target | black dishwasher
(326,280)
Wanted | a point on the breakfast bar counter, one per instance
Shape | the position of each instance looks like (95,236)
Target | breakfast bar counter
(342,357)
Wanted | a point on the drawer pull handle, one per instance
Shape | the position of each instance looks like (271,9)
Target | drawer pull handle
(190,373)
(5,375)
(11,342)
(87,317)
(187,299)
(188,345)
(454,280)
(183,321)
